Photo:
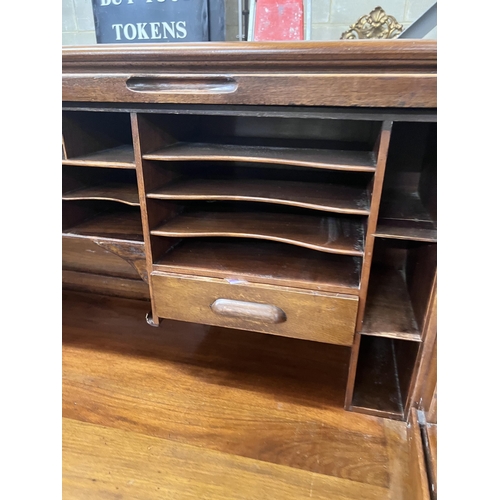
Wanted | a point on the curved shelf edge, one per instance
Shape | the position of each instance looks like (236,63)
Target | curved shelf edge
(187,234)
(257,199)
(104,198)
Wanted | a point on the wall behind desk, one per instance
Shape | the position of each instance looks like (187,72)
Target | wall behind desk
(330,17)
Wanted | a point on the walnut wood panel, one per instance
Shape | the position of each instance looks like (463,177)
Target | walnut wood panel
(122,193)
(264,397)
(389,312)
(149,467)
(330,317)
(418,479)
(328,197)
(362,55)
(105,285)
(407,230)
(424,376)
(270,399)
(308,112)
(324,233)
(381,148)
(430,448)
(146,136)
(376,389)
(403,205)
(87,255)
(421,278)
(118,225)
(263,262)
(407,90)
(118,157)
(361,161)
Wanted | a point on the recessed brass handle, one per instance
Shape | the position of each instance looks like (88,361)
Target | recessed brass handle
(252,311)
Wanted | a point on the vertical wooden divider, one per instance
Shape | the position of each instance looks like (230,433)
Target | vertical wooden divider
(424,377)
(381,148)
(147,137)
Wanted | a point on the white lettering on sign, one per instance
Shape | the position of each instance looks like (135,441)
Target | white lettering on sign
(146,31)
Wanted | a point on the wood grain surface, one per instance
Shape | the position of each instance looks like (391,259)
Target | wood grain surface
(118,157)
(326,233)
(121,193)
(357,161)
(185,410)
(389,312)
(328,197)
(258,261)
(329,317)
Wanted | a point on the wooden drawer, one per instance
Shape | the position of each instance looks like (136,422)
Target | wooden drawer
(319,316)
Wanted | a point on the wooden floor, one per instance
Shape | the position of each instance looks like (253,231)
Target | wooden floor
(186,411)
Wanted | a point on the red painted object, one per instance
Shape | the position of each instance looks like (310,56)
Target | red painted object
(277,20)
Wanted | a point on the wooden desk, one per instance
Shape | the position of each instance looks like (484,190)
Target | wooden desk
(284,188)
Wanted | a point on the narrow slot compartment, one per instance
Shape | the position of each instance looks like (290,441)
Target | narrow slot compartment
(400,286)
(106,220)
(312,143)
(98,139)
(340,192)
(408,204)
(256,261)
(331,233)
(383,376)
(84,183)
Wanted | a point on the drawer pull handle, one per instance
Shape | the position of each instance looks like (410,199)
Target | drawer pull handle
(183,85)
(248,310)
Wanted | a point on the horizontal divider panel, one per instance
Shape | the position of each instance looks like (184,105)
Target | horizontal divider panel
(302,112)
(406,90)
(406,230)
(360,161)
(389,312)
(83,183)
(121,193)
(399,289)
(98,139)
(103,220)
(307,142)
(339,234)
(118,157)
(341,192)
(257,261)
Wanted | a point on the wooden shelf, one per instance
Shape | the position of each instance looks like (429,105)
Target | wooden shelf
(360,161)
(376,389)
(389,312)
(407,230)
(403,216)
(119,225)
(117,157)
(263,262)
(122,193)
(338,198)
(339,234)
